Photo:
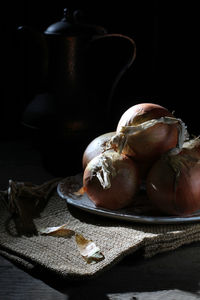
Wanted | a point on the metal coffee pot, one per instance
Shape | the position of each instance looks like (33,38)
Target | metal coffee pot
(81,66)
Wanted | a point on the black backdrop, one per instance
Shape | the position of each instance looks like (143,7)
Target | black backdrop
(137,20)
(164,70)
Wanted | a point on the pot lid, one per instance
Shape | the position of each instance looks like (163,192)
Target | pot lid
(70,26)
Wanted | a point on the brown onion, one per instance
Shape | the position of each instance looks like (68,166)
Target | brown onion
(146,131)
(96,147)
(173,184)
(111,180)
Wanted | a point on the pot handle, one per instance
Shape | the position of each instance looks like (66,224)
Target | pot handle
(121,51)
(131,58)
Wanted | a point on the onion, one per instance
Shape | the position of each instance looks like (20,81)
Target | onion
(96,147)
(173,183)
(145,131)
(111,180)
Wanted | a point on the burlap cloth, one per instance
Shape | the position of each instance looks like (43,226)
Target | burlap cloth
(60,254)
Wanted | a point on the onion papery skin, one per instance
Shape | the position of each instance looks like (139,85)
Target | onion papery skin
(124,182)
(96,147)
(149,144)
(173,185)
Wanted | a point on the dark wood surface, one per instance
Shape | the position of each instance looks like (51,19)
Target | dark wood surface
(171,275)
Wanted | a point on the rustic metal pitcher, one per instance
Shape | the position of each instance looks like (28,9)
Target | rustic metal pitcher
(82,65)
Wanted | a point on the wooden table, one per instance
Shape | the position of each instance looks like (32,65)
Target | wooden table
(172,275)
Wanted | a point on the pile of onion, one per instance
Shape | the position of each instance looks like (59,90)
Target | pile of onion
(173,183)
(149,145)
(111,180)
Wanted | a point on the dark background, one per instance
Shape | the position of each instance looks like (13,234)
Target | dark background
(138,20)
(164,72)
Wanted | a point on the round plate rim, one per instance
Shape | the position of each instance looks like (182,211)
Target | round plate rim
(76,201)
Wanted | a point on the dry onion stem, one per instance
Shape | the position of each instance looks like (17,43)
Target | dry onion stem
(104,170)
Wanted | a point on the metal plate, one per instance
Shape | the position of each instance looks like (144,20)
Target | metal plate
(141,212)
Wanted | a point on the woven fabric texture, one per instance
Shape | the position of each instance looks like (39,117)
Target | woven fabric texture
(114,238)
